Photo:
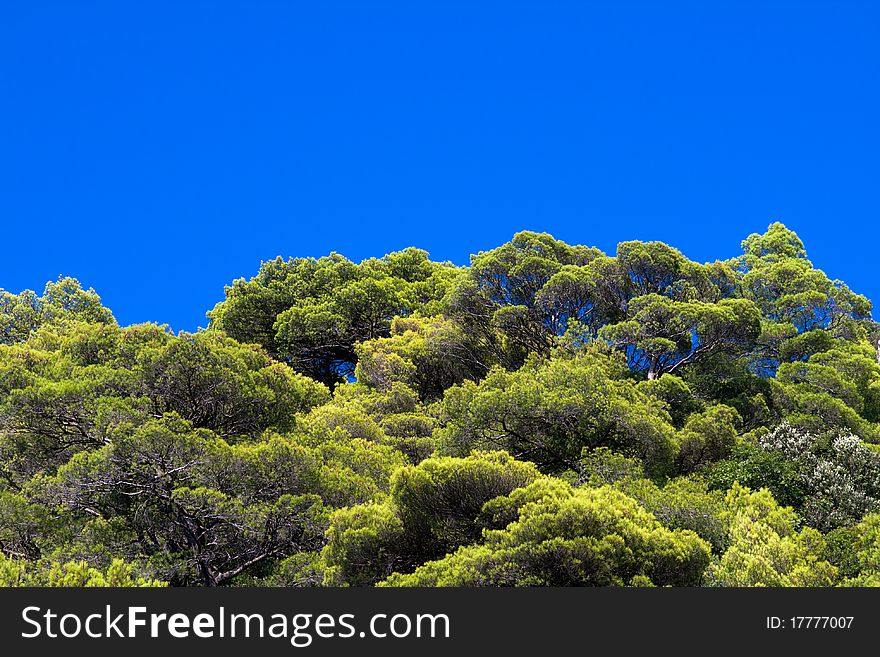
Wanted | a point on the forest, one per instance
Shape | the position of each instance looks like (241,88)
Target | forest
(549,415)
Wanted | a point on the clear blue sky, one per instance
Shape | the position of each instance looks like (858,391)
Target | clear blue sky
(159,150)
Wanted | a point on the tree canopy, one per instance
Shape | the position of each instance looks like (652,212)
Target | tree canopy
(547,415)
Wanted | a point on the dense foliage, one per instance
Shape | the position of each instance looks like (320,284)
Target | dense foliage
(550,415)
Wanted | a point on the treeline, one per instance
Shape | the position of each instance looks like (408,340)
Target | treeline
(549,415)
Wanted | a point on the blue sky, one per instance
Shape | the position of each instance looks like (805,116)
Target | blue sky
(159,150)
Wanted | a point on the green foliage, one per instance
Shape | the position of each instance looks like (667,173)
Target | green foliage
(63,301)
(392,417)
(584,537)
(200,510)
(457,487)
(19,316)
(708,437)
(14,572)
(791,291)
(840,475)
(21,526)
(313,312)
(675,393)
(434,507)
(858,551)
(765,548)
(70,385)
(427,354)
(549,411)
(662,335)
(683,503)
(502,301)
(758,468)
(601,466)
(665,311)
(364,545)
(234,390)
(777,244)
(662,421)
(203,510)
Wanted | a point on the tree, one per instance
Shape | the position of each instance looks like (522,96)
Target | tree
(583,537)
(549,411)
(312,312)
(683,503)
(68,386)
(549,415)
(62,301)
(765,549)
(19,316)
(434,508)
(202,511)
(778,276)
(841,481)
(499,302)
(392,417)
(14,572)
(662,335)
(590,296)
(858,551)
(707,437)
(428,354)
(232,389)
